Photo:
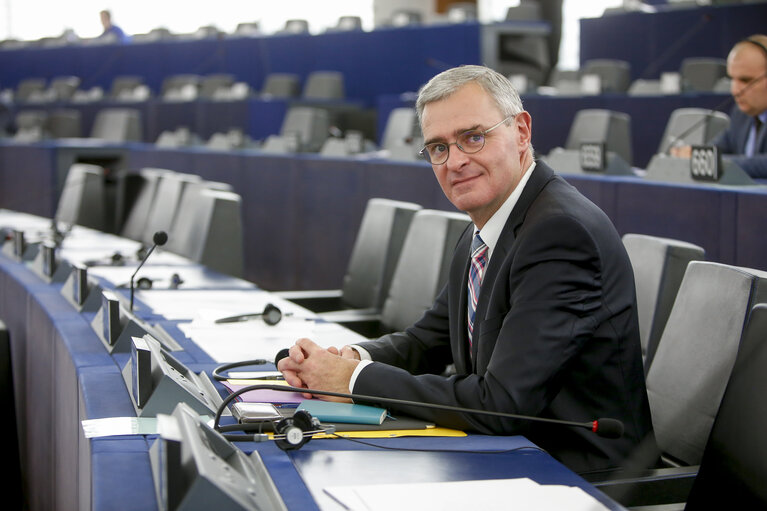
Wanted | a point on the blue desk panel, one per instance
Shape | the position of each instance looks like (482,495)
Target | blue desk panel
(657,42)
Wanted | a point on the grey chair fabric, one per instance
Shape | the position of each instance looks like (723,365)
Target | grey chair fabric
(423,266)
(28,87)
(614,75)
(135,224)
(281,85)
(304,129)
(208,228)
(210,84)
(295,26)
(599,125)
(659,265)
(182,87)
(324,85)
(401,128)
(692,126)
(696,353)
(164,208)
(734,468)
(64,123)
(83,200)
(62,88)
(702,73)
(371,265)
(30,125)
(117,125)
(123,86)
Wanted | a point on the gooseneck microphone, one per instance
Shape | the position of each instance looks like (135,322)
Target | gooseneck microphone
(603,427)
(159,239)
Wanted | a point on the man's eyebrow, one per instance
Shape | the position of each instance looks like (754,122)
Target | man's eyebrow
(455,134)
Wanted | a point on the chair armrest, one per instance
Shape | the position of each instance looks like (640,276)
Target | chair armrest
(315,300)
(650,487)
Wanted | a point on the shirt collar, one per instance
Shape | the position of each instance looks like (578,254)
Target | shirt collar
(493,227)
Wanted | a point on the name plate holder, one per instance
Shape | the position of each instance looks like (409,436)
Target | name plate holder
(706,164)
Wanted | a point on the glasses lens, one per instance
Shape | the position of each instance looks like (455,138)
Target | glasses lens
(435,153)
(471,141)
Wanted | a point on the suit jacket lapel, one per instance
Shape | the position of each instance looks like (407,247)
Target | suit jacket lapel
(541,175)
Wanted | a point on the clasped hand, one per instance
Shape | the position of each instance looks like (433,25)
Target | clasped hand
(310,366)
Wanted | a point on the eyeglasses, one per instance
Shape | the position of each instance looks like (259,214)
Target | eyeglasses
(469,142)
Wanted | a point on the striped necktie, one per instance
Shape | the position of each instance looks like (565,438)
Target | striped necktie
(753,137)
(476,271)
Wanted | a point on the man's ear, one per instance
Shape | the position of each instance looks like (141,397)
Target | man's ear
(524,125)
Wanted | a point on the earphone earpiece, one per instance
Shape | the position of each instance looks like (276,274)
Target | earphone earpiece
(293,432)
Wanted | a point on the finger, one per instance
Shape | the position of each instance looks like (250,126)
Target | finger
(292,379)
(296,354)
(349,352)
(334,350)
(308,346)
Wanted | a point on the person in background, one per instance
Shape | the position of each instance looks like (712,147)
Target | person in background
(744,142)
(112,31)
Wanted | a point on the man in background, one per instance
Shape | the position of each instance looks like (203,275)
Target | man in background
(744,141)
(111,31)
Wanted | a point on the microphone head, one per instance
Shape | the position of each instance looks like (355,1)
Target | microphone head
(608,428)
(283,353)
(160,238)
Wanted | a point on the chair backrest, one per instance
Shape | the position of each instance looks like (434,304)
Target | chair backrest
(599,125)
(166,203)
(30,125)
(180,87)
(29,86)
(64,87)
(525,11)
(324,85)
(124,85)
(117,125)
(693,126)
(696,353)
(349,23)
(702,73)
(460,12)
(64,123)
(208,228)
(135,224)
(376,251)
(405,17)
(614,75)
(734,467)
(309,124)
(659,265)
(401,127)
(281,85)
(423,266)
(295,26)
(83,200)
(210,84)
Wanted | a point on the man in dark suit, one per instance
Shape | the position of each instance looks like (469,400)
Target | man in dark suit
(539,317)
(745,140)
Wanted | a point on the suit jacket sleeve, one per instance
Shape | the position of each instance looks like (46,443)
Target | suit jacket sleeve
(732,141)
(545,304)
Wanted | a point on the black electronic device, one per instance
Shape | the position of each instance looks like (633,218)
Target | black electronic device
(157,381)
(271,316)
(78,291)
(195,468)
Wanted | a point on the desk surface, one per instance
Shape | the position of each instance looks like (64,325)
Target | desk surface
(72,377)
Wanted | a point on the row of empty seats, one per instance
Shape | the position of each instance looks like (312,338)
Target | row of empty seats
(685,126)
(456,13)
(696,74)
(398,265)
(319,85)
(696,318)
(203,219)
